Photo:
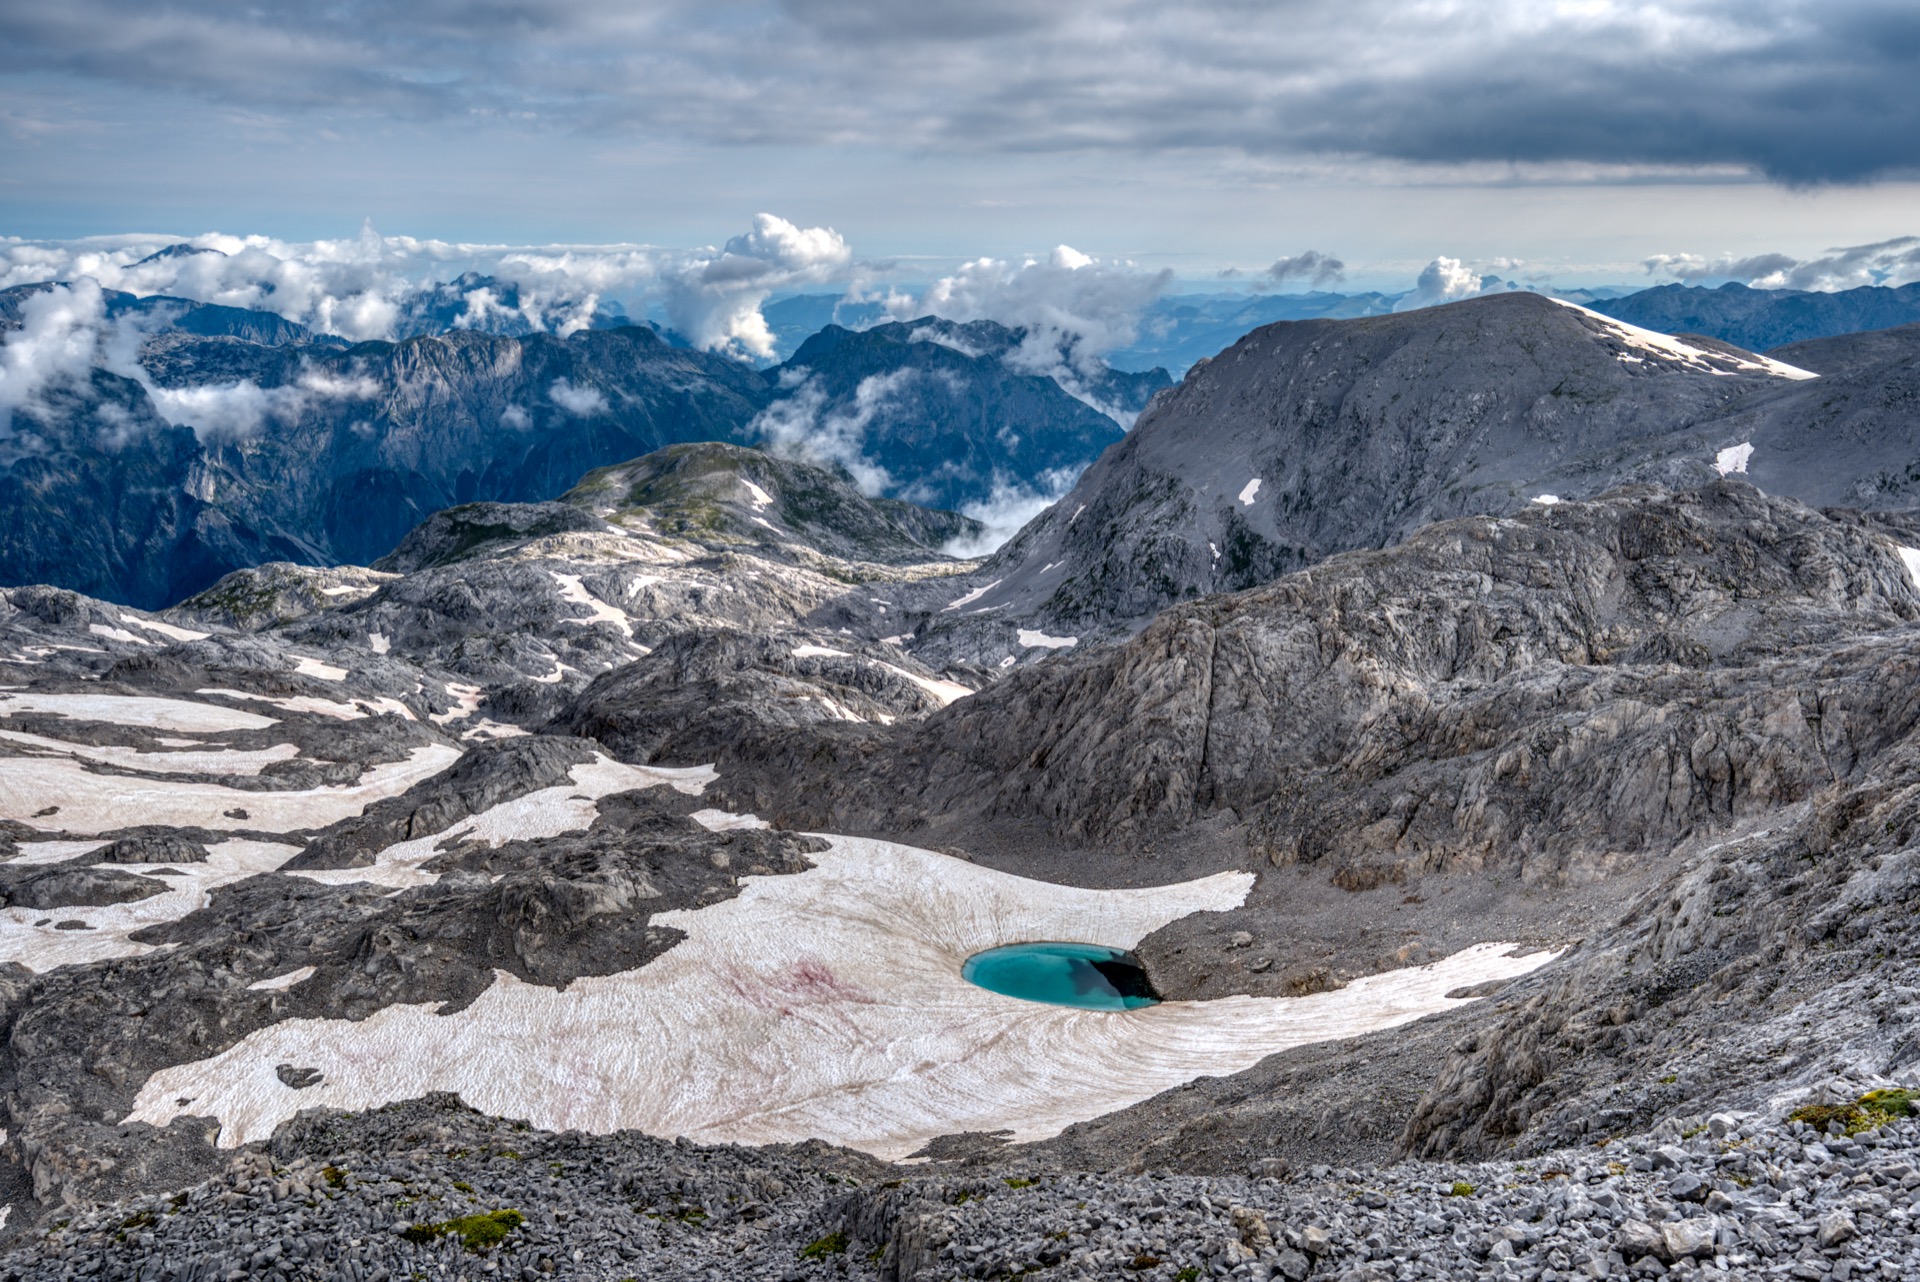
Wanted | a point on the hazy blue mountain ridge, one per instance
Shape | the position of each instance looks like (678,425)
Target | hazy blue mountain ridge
(241,438)
(1761,319)
(948,410)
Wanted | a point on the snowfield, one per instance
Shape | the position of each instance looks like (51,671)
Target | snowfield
(822,1004)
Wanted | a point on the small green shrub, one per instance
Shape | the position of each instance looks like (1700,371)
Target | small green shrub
(1460,1189)
(334,1176)
(1015,1182)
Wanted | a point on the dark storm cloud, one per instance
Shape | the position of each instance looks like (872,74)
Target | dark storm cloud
(1802,91)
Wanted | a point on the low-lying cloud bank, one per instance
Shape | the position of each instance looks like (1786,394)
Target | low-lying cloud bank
(375,286)
(1887,262)
(1008,508)
(1074,307)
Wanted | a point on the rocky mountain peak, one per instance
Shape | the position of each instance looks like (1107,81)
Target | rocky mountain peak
(720,495)
(1308,438)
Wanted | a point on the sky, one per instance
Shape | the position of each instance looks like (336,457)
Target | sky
(686,148)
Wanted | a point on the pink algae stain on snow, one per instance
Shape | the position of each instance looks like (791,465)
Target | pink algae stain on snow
(808,990)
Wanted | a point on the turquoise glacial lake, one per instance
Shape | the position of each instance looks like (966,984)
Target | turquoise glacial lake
(1090,976)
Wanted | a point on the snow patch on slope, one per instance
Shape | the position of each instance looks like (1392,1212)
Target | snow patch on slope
(1910,557)
(165,629)
(571,589)
(135,710)
(1034,638)
(280,983)
(972,596)
(1697,358)
(215,761)
(314,705)
(86,802)
(1733,459)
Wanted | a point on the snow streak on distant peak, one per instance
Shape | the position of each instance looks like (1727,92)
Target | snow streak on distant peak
(1699,358)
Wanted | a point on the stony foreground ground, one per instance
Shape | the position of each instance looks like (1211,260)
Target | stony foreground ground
(431,1190)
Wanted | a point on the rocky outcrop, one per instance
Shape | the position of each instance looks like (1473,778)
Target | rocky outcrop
(265,596)
(725,496)
(1522,690)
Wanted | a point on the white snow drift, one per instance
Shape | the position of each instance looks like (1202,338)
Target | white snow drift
(827,1003)
(1032,637)
(85,802)
(1733,459)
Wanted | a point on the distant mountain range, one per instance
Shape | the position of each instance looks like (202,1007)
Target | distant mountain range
(1759,319)
(1183,328)
(239,438)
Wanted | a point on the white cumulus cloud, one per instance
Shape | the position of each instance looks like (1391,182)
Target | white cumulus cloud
(715,301)
(583,401)
(356,287)
(1888,262)
(1008,507)
(227,411)
(1444,280)
(58,339)
(1318,270)
(236,410)
(1074,307)
(803,426)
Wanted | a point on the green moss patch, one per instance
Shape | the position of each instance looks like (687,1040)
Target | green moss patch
(476,1232)
(1874,1109)
(831,1244)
